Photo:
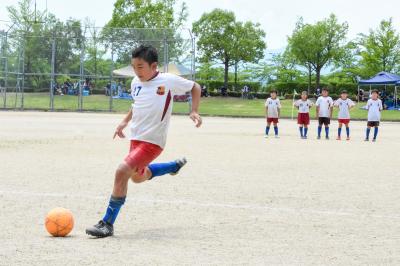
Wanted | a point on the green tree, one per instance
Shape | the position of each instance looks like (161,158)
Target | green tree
(316,46)
(249,44)
(153,22)
(379,50)
(224,40)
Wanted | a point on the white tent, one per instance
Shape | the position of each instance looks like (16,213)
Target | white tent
(127,72)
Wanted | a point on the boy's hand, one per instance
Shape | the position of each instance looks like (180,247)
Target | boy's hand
(119,130)
(196,118)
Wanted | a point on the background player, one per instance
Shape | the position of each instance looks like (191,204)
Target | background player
(324,106)
(375,107)
(272,111)
(344,104)
(303,116)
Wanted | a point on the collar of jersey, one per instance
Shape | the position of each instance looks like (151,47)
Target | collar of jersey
(153,77)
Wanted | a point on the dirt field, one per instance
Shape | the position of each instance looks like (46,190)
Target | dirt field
(241,199)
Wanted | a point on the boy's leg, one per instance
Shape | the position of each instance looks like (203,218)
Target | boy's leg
(319,127)
(301,131)
(276,129)
(339,131)
(327,131)
(367,133)
(348,131)
(375,133)
(105,227)
(305,131)
(267,128)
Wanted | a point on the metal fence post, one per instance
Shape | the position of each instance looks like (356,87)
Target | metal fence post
(111,78)
(52,83)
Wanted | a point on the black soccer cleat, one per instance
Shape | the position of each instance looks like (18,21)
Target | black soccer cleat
(180,163)
(101,229)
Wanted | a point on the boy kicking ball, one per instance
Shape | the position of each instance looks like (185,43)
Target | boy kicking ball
(324,107)
(272,111)
(374,106)
(303,117)
(150,115)
(344,104)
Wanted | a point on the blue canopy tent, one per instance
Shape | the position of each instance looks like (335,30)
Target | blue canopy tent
(383,79)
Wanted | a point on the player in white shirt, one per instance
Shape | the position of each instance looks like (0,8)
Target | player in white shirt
(374,106)
(303,116)
(272,112)
(153,94)
(344,104)
(324,106)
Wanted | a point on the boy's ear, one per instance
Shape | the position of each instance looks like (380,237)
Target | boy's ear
(153,66)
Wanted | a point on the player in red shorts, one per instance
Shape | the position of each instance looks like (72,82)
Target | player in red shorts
(272,112)
(344,104)
(153,94)
(303,117)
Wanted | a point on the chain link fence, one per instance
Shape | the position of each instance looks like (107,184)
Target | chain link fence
(76,68)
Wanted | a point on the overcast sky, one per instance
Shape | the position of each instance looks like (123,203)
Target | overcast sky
(277,17)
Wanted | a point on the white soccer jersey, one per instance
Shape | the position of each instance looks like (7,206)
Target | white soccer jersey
(304,106)
(324,103)
(152,106)
(273,106)
(344,108)
(374,110)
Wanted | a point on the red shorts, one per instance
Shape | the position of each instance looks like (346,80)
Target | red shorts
(141,154)
(272,120)
(343,121)
(303,119)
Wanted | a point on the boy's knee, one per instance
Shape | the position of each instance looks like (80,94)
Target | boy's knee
(123,173)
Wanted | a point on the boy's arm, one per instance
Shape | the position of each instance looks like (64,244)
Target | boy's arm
(330,111)
(119,130)
(194,114)
(317,111)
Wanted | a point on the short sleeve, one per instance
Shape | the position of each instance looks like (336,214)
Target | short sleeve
(179,85)
(336,103)
(351,103)
(380,105)
(266,103)
(331,102)
(318,102)
(296,103)
(279,104)
(310,103)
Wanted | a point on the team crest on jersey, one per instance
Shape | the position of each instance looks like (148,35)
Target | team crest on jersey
(161,90)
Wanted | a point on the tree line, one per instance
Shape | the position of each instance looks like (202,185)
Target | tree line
(227,49)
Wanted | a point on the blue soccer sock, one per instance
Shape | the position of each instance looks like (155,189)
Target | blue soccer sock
(339,131)
(158,169)
(375,132)
(327,131)
(267,130)
(301,131)
(114,206)
(367,133)
(305,131)
(319,131)
(348,131)
(276,130)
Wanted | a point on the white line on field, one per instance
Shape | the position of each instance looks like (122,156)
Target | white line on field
(207,204)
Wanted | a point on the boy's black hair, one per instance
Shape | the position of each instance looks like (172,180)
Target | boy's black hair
(273,91)
(304,92)
(343,91)
(325,89)
(376,91)
(146,52)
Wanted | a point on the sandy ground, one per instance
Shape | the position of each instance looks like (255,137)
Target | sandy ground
(241,200)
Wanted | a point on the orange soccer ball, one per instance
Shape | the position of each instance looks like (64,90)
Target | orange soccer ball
(59,222)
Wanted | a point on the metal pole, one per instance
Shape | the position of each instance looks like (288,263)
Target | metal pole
(6,70)
(111,77)
(165,54)
(52,83)
(81,73)
(23,75)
